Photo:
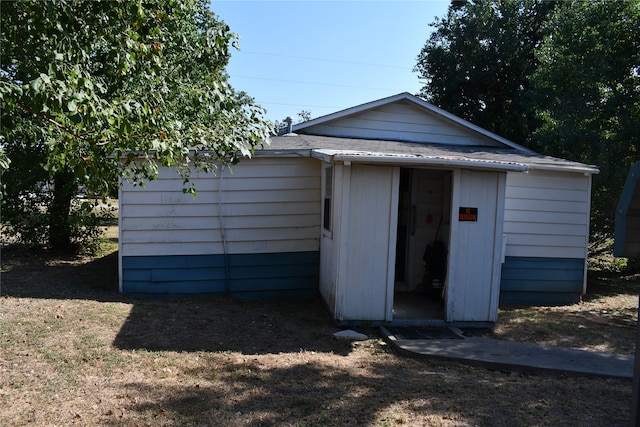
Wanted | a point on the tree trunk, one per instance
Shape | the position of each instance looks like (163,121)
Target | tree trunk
(64,189)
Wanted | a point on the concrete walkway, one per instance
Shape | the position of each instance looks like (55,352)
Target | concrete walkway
(515,356)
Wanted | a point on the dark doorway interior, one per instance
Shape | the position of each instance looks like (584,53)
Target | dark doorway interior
(404,214)
(411,306)
(424,204)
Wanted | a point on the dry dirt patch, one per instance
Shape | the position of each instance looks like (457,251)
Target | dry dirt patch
(605,321)
(73,351)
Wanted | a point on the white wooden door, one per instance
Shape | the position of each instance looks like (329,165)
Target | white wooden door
(476,245)
(368,243)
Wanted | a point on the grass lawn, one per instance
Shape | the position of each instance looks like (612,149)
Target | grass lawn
(75,352)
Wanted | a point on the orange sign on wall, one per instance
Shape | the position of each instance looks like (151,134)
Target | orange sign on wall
(467,214)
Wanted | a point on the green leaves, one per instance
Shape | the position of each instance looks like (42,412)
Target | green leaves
(477,62)
(559,77)
(114,75)
(589,102)
(107,89)
(4,160)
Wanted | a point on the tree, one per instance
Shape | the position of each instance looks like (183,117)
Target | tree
(588,83)
(99,90)
(305,115)
(562,78)
(477,63)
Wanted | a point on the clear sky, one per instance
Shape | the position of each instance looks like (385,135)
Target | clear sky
(324,56)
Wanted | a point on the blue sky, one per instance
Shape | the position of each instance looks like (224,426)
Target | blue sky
(324,56)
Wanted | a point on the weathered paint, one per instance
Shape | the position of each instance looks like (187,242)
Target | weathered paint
(271,206)
(246,275)
(265,209)
(547,215)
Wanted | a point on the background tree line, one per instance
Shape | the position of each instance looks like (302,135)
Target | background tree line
(559,77)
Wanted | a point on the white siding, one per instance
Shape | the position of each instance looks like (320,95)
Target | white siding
(547,214)
(401,121)
(267,205)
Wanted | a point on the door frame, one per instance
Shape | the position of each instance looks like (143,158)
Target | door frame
(413,254)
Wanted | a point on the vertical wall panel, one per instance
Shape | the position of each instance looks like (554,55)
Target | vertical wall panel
(473,284)
(367,241)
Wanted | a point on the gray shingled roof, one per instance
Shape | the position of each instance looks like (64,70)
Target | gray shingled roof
(381,151)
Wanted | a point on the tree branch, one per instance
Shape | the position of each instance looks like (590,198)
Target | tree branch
(59,126)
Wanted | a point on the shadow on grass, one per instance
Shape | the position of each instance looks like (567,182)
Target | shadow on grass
(37,273)
(607,320)
(607,284)
(201,324)
(384,392)
(224,388)
(225,324)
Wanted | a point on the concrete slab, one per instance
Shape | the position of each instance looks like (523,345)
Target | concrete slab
(516,356)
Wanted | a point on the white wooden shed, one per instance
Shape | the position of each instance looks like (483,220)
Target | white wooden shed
(346,205)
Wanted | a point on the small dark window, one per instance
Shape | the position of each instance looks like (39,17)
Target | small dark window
(328,194)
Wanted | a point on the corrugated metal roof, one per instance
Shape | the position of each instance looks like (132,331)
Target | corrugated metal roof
(382,151)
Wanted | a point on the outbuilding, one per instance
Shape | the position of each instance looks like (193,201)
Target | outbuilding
(392,211)
(627,228)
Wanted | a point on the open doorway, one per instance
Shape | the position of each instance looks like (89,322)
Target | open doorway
(424,212)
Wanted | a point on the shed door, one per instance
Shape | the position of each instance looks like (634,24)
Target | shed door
(476,246)
(367,239)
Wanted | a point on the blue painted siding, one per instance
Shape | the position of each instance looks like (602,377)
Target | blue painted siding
(252,276)
(541,281)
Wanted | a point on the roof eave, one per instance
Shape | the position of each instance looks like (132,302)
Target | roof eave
(586,169)
(269,152)
(339,156)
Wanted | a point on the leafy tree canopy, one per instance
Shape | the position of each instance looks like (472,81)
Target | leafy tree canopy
(102,89)
(588,88)
(560,77)
(477,62)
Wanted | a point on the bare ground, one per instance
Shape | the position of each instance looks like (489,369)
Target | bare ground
(605,320)
(75,352)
